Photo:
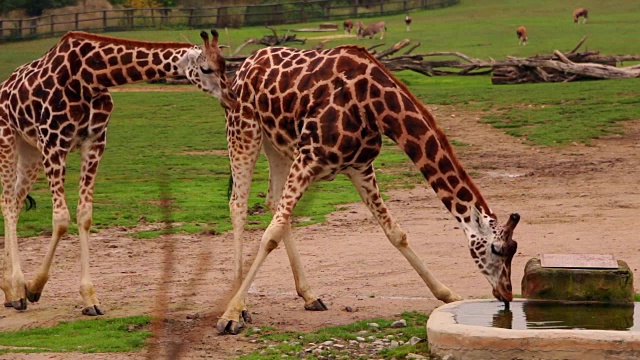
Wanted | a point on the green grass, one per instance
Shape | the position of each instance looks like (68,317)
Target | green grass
(86,336)
(543,114)
(291,343)
(158,138)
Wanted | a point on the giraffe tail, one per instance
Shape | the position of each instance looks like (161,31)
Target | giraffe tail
(30,203)
(230,187)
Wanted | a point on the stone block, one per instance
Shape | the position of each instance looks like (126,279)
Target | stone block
(576,284)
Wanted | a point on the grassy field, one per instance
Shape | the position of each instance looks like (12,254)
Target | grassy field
(174,133)
(171,138)
(87,336)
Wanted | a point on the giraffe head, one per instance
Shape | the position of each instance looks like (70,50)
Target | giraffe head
(493,249)
(206,69)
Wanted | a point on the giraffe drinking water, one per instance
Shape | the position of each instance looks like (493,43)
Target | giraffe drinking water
(318,114)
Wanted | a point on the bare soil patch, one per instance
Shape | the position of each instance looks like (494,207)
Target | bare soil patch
(576,199)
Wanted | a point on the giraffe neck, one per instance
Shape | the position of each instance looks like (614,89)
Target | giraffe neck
(434,156)
(102,61)
(413,128)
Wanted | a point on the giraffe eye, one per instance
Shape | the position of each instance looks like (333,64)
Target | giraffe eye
(206,71)
(496,250)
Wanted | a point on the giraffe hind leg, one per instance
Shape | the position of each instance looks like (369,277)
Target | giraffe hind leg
(91,156)
(91,153)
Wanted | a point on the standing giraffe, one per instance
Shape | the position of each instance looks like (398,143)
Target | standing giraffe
(317,114)
(60,103)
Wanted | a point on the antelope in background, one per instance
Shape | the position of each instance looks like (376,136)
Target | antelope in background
(348,26)
(521,31)
(580,13)
(407,20)
(371,30)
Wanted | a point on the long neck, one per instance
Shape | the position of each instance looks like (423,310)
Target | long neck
(412,127)
(429,149)
(104,61)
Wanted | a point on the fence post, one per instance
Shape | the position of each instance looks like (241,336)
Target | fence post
(302,5)
(1,29)
(51,27)
(191,17)
(77,21)
(20,28)
(104,19)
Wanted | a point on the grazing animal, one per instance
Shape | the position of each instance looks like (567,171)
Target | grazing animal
(371,30)
(407,21)
(348,26)
(521,31)
(580,13)
(317,114)
(60,103)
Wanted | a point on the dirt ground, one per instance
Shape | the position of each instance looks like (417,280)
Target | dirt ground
(575,199)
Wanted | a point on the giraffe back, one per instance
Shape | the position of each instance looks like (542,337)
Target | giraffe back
(335,103)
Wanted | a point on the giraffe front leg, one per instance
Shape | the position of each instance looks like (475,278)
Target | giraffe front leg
(243,161)
(297,183)
(365,181)
(231,321)
(13,282)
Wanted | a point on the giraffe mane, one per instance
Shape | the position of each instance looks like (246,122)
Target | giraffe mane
(441,135)
(125,42)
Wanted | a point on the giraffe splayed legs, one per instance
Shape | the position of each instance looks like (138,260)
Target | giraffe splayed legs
(60,103)
(321,113)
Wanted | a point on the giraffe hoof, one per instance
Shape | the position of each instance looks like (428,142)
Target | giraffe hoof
(19,304)
(225,326)
(317,305)
(8,304)
(246,316)
(452,298)
(94,310)
(33,297)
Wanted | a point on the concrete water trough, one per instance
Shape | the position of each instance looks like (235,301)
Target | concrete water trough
(484,329)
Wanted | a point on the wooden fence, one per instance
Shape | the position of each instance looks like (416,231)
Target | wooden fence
(217,17)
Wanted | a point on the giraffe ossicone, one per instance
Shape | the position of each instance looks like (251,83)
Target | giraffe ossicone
(59,103)
(317,114)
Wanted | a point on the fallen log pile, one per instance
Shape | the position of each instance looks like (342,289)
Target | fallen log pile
(556,67)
